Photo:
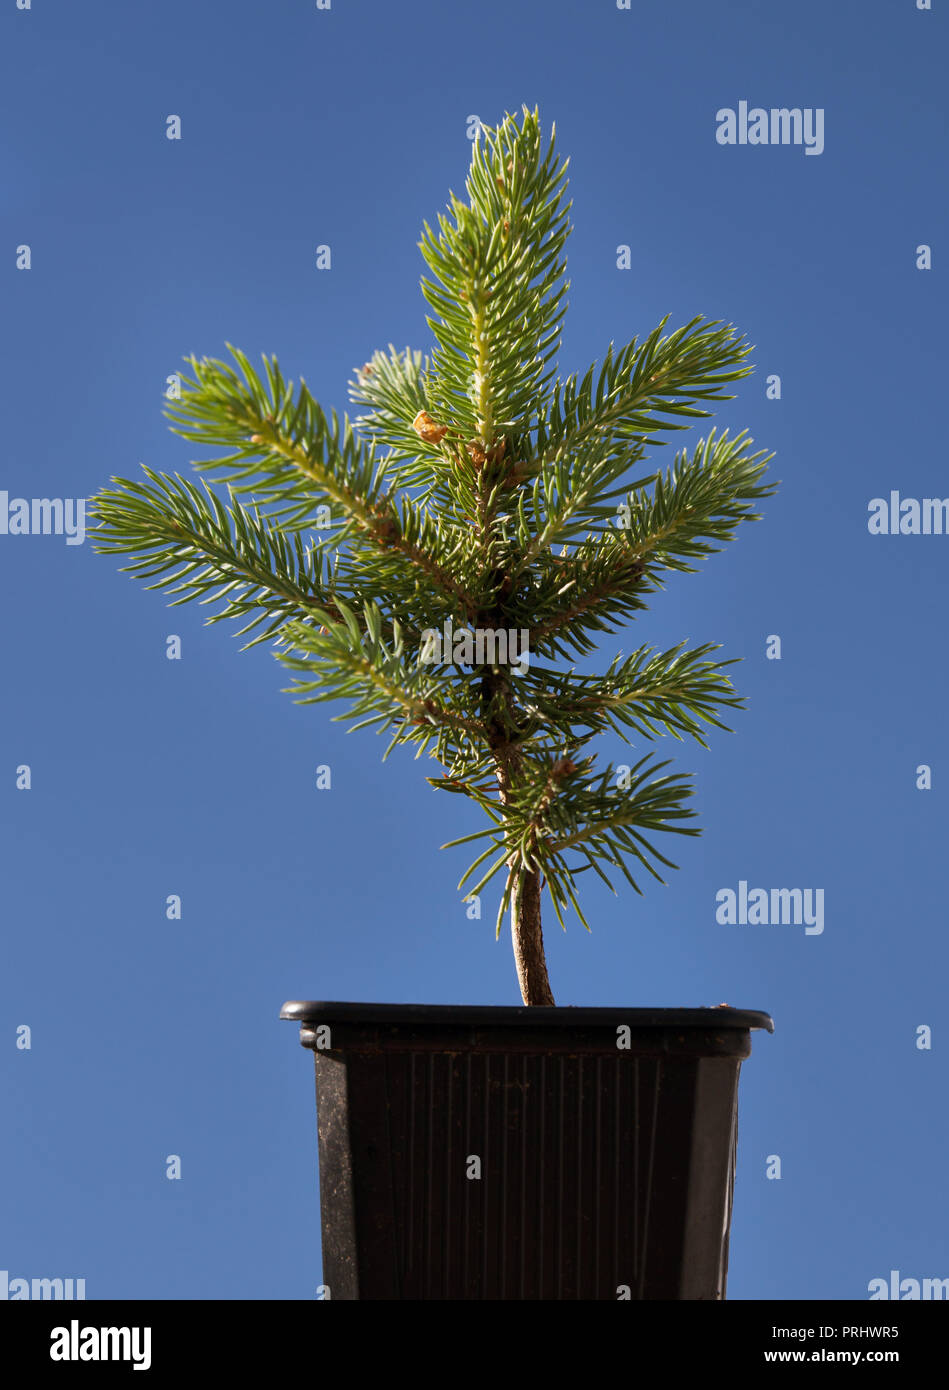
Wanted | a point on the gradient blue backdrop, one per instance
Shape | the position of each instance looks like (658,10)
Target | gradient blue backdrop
(197,777)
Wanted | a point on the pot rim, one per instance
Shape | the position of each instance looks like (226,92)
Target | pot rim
(310,1011)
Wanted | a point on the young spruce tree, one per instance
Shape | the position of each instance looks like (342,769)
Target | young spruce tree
(477,496)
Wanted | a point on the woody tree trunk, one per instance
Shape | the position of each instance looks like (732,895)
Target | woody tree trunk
(529,941)
(526,932)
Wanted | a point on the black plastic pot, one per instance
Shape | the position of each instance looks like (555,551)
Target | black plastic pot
(528,1153)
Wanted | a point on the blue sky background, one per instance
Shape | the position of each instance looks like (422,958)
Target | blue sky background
(197,777)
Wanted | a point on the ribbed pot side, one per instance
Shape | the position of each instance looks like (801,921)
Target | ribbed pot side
(544,1153)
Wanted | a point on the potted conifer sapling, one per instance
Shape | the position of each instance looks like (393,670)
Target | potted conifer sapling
(440,563)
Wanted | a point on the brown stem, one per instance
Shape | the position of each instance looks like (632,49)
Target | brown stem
(529,941)
(526,932)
